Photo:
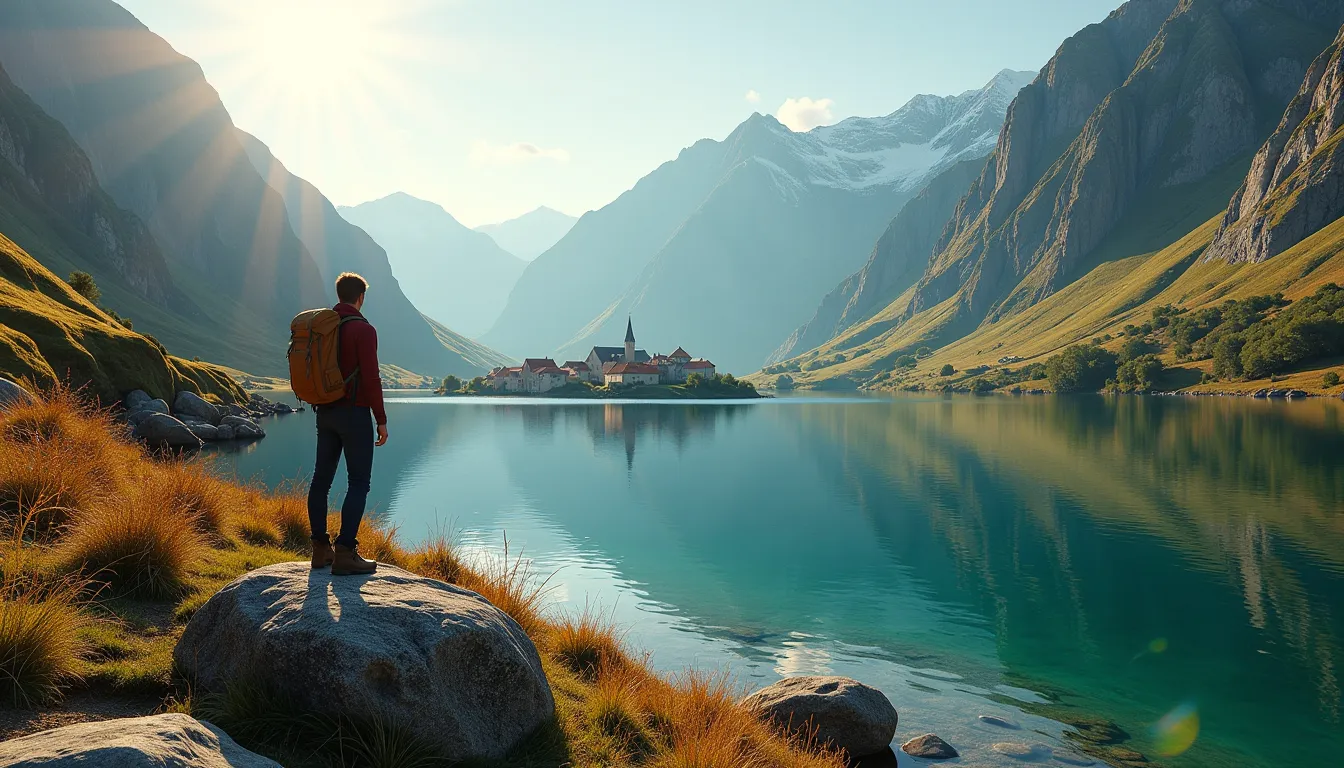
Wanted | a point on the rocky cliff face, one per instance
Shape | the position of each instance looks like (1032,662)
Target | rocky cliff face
(1296,182)
(51,186)
(896,263)
(1160,94)
(163,147)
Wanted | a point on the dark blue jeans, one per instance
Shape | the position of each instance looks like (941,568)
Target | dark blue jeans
(341,429)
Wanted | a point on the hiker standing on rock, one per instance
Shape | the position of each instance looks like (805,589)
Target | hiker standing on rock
(333,362)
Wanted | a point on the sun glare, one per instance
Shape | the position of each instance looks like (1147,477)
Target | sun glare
(304,44)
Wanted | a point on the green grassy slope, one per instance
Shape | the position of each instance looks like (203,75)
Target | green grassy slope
(49,334)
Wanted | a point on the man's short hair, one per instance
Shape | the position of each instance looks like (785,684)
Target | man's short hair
(349,287)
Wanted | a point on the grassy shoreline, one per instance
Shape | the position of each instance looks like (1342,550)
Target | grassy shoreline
(110,551)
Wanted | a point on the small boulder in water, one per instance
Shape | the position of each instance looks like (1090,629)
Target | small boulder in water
(845,713)
(929,746)
(1001,722)
(162,429)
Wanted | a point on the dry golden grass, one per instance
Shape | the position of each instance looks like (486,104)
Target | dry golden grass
(171,534)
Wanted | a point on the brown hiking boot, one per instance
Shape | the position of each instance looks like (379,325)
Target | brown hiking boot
(322,554)
(349,563)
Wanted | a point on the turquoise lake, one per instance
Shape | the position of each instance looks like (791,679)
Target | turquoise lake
(1037,558)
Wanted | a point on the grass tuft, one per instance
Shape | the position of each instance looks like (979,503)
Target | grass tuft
(133,546)
(586,644)
(510,583)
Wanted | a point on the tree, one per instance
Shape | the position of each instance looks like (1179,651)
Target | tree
(1330,378)
(450,384)
(1080,368)
(923,352)
(1139,374)
(84,285)
(695,381)
(947,370)
(906,361)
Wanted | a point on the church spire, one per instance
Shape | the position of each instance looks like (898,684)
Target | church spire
(629,331)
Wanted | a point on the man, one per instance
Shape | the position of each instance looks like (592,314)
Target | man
(348,426)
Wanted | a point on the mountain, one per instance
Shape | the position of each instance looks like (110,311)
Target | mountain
(163,146)
(405,339)
(1110,181)
(1296,182)
(529,235)
(896,263)
(455,275)
(727,248)
(1179,95)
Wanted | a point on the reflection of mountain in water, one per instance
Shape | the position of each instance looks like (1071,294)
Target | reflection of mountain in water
(625,424)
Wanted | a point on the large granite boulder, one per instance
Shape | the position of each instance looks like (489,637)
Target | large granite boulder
(436,659)
(192,406)
(162,429)
(160,741)
(13,394)
(242,427)
(845,713)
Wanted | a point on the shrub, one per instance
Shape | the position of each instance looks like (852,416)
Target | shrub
(41,630)
(947,370)
(1138,374)
(586,644)
(1330,379)
(923,352)
(84,285)
(450,384)
(1080,368)
(1133,348)
(906,361)
(133,546)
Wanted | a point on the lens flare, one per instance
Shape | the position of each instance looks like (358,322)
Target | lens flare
(1176,731)
(1157,645)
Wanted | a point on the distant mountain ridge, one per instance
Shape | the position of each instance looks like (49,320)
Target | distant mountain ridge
(727,248)
(530,235)
(458,276)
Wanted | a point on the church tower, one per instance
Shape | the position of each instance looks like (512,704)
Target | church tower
(629,341)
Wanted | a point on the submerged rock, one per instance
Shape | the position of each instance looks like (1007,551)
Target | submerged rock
(13,394)
(1001,722)
(175,740)
(162,429)
(845,713)
(929,746)
(434,659)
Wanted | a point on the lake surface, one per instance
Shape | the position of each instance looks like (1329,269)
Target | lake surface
(1036,558)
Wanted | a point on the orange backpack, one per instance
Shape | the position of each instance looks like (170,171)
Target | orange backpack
(314,357)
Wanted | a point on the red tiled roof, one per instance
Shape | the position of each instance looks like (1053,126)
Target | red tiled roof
(699,364)
(506,372)
(576,365)
(539,362)
(633,368)
(680,353)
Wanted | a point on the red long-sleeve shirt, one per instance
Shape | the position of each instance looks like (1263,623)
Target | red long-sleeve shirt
(359,347)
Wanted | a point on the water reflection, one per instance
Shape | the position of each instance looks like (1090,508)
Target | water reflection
(1129,556)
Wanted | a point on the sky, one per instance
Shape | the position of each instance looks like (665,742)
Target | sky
(494,107)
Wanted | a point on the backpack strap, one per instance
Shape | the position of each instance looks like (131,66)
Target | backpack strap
(353,378)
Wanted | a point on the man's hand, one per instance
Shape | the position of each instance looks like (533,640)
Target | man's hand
(382,435)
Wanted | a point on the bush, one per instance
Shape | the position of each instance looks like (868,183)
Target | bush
(1133,348)
(923,352)
(1080,368)
(906,361)
(947,370)
(1330,379)
(84,285)
(1138,374)
(450,384)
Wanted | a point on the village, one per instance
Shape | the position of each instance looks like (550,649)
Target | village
(625,366)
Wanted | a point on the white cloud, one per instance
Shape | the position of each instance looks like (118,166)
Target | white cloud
(804,114)
(485,153)
(753,96)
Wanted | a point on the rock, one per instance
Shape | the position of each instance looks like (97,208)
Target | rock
(204,431)
(162,429)
(243,428)
(1295,393)
(13,394)
(224,432)
(1001,722)
(238,421)
(135,400)
(929,746)
(438,660)
(238,410)
(175,740)
(281,408)
(194,406)
(846,713)
(1021,751)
